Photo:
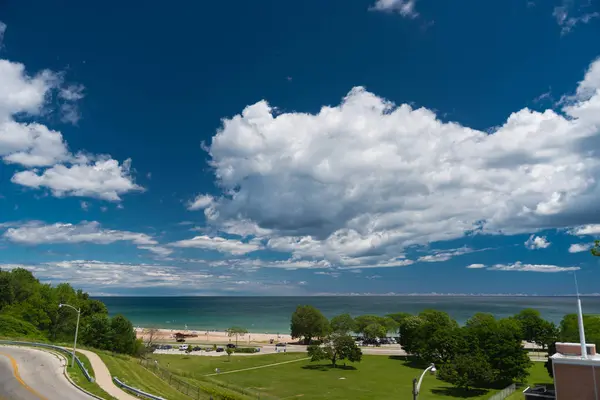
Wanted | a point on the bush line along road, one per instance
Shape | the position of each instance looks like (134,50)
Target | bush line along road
(470,359)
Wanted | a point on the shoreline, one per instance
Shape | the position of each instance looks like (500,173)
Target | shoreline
(211,336)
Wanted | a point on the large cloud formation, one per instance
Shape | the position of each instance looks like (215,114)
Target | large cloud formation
(30,144)
(359,182)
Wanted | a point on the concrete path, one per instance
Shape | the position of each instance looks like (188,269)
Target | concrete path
(103,377)
(33,374)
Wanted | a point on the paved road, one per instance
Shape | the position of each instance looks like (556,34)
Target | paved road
(32,374)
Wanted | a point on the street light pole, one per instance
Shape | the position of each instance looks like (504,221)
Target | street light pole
(417,385)
(76,330)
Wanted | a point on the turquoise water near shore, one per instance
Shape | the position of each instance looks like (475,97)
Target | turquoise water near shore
(272,314)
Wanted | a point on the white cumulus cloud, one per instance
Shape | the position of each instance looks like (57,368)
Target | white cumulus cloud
(359,182)
(586,230)
(200,202)
(406,8)
(519,266)
(35,233)
(222,245)
(537,242)
(476,266)
(31,144)
(579,247)
(104,179)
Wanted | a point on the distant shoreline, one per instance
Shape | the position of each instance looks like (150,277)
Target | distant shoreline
(212,336)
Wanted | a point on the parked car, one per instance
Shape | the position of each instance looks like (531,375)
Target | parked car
(281,345)
(180,340)
(231,345)
(183,347)
(197,348)
(220,349)
(167,347)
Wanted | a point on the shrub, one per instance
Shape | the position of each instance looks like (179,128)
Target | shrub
(249,350)
(16,328)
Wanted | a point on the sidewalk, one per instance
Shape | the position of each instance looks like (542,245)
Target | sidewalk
(103,377)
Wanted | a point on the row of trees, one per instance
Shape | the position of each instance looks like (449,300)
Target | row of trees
(29,308)
(485,351)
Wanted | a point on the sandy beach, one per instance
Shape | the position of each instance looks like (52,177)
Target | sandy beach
(218,337)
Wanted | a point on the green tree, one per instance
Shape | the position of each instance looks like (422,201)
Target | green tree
(7,294)
(123,335)
(408,329)
(374,330)
(309,323)
(26,303)
(97,332)
(343,324)
(337,347)
(500,342)
(228,350)
(430,335)
(189,349)
(399,319)
(467,371)
(536,329)
(236,331)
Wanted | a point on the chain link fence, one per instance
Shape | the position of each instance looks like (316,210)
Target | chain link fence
(504,393)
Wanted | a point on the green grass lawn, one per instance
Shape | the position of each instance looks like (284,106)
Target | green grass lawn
(129,371)
(376,377)
(198,366)
(538,375)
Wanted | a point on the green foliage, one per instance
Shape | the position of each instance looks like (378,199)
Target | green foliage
(343,324)
(123,335)
(29,308)
(16,328)
(247,350)
(374,326)
(467,371)
(435,336)
(596,249)
(97,332)
(309,323)
(374,330)
(408,329)
(229,351)
(500,342)
(536,329)
(338,347)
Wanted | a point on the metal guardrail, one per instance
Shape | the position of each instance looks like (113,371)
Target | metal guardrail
(50,346)
(136,391)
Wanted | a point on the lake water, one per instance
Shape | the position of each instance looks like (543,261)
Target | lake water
(272,314)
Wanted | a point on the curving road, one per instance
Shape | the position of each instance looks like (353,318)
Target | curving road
(32,374)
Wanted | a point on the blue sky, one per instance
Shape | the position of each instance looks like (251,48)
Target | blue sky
(321,147)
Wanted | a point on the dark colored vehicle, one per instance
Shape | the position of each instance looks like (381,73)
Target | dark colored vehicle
(180,340)
(281,345)
(197,348)
(231,345)
(220,349)
(167,347)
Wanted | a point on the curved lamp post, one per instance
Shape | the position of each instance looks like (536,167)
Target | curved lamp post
(417,386)
(76,329)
